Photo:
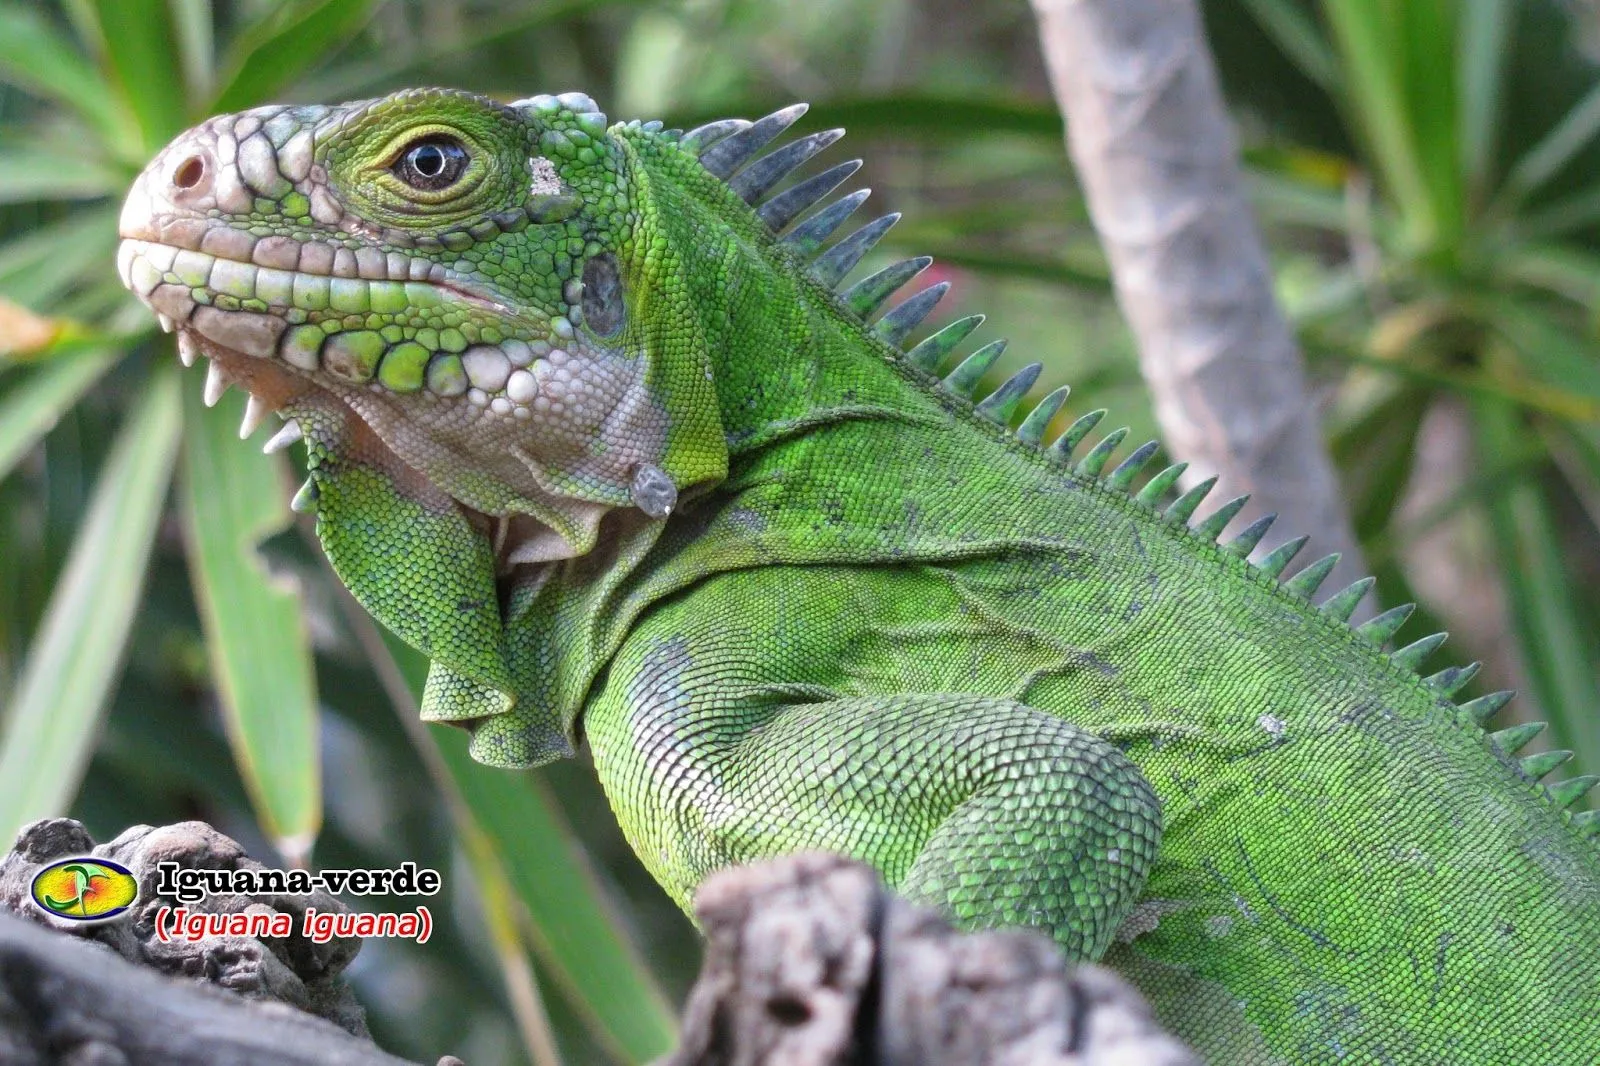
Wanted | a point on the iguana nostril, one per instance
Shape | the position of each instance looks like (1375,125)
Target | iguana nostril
(189,172)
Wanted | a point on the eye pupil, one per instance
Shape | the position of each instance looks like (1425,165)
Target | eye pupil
(432,164)
(429,161)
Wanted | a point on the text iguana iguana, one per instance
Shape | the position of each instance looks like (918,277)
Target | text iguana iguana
(591,421)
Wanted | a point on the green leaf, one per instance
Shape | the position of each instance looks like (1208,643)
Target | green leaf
(1298,38)
(501,913)
(31,409)
(34,57)
(1561,217)
(1367,33)
(29,174)
(284,43)
(1554,151)
(196,34)
(1551,358)
(232,499)
(573,928)
(52,719)
(1551,631)
(1375,454)
(1399,69)
(38,265)
(1487,30)
(1432,96)
(142,51)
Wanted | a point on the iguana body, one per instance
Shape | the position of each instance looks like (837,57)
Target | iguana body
(616,455)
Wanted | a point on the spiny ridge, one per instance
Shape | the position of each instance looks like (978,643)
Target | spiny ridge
(867,295)
(1160,485)
(1091,465)
(1064,445)
(700,138)
(788,205)
(1537,766)
(1304,585)
(930,355)
(1452,679)
(754,179)
(1380,629)
(963,380)
(1210,528)
(1566,793)
(1413,655)
(735,149)
(893,327)
(1184,506)
(1510,741)
(1342,604)
(1032,429)
(1122,477)
(1275,561)
(831,266)
(1250,536)
(808,236)
(1480,710)
(1002,403)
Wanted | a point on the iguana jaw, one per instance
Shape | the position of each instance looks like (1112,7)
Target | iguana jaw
(266,312)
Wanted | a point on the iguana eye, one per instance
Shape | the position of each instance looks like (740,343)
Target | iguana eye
(432,163)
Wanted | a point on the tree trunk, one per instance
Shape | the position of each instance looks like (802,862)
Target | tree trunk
(1156,154)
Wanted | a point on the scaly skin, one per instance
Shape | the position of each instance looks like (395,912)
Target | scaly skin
(619,459)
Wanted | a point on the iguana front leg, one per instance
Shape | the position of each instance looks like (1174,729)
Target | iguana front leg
(995,812)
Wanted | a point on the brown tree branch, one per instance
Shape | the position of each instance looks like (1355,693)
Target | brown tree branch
(810,961)
(70,1001)
(1156,153)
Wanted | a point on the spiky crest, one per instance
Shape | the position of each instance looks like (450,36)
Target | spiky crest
(729,149)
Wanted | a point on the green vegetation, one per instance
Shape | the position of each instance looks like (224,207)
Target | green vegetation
(172,646)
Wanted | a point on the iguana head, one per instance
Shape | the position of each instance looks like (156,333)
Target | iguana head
(469,313)
(458,292)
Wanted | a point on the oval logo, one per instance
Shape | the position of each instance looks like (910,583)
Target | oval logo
(85,889)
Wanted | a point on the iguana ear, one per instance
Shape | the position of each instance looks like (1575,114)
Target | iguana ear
(410,557)
(639,303)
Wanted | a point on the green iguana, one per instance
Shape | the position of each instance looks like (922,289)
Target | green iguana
(591,421)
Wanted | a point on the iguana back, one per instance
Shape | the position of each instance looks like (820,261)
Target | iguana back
(589,423)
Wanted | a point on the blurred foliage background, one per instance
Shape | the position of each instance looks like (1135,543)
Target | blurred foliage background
(172,646)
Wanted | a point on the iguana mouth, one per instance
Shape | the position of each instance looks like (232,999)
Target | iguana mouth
(399,324)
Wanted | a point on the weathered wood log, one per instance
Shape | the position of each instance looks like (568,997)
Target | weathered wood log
(810,961)
(72,1001)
